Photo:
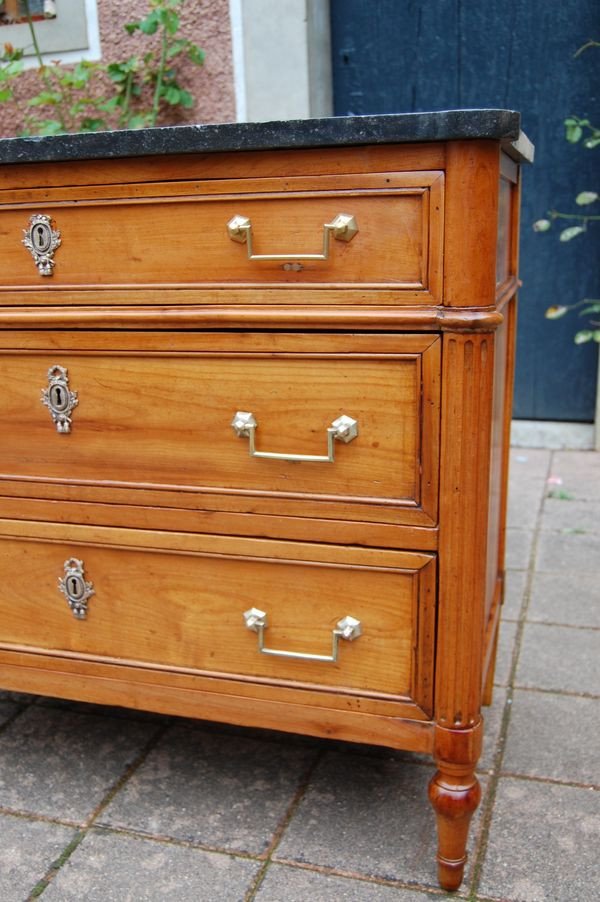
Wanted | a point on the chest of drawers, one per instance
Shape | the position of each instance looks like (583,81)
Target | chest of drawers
(256,396)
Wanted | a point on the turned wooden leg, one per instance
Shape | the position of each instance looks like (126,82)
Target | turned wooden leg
(454,792)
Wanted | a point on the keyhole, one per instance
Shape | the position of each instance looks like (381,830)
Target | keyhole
(75,587)
(41,237)
(59,398)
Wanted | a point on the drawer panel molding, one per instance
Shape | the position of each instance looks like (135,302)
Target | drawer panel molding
(386,227)
(160,417)
(178,601)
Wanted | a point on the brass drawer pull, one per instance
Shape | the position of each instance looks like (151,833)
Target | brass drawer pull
(75,587)
(347,628)
(344,429)
(343,226)
(59,399)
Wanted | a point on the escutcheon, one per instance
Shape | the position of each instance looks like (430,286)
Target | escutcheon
(59,399)
(75,587)
(41,240)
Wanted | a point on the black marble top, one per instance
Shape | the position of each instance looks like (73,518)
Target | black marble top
(501,125)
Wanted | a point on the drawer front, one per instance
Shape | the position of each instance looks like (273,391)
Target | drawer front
(162,419)
(195,234)
(179,602)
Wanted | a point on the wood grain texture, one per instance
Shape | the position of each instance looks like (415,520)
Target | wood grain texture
(471,223)
(180,511)
(161,418)
(288,309)
(251,164)
(116,235)
(173,603)
(468,371)
(188,696)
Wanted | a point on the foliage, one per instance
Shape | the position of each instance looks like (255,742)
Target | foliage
(577,131)
(130,93)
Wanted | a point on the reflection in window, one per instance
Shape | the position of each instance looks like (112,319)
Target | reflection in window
(14,12)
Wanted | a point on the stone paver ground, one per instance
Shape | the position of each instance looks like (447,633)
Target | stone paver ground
(115,806)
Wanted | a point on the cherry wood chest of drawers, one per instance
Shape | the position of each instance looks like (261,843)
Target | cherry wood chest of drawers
(256,397)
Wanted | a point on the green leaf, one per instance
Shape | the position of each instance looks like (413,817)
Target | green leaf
(5,94)
(116,72)
(185,99)
(542,225)
(573,133)
(588,311)
(586,197)
(172,95)
(176,47)
(571,232)
(45,98)
(169,20)
(83,71)
(150,24)
(131,27)
(141,120)
(196,54)
(556,311)
(14,68)
(119,72)
(110,105)
(583,336)
(92,125)
(50,127)
(592,142)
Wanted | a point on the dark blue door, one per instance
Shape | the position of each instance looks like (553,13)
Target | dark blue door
(415,55)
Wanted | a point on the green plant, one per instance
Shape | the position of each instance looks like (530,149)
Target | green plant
(155,70)
(130,93)
(577,131)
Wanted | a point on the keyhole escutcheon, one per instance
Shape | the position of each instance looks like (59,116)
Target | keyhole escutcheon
(59,399)
(76,589)
(42,237)
(42,240)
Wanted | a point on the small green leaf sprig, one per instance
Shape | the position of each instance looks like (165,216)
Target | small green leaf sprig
(590,307)
(577,130)
(583,199)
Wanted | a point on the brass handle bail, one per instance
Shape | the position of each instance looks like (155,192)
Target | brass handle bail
(343,429)
(343,227)
(348,628)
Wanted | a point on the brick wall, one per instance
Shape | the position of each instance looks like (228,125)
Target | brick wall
(204,21)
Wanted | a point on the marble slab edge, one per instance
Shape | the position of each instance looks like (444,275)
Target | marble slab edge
(335,131)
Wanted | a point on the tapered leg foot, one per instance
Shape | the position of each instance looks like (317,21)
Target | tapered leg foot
(454,793)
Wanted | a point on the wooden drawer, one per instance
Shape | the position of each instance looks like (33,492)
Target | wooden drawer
(178,601)
(154,412)
(175,235)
